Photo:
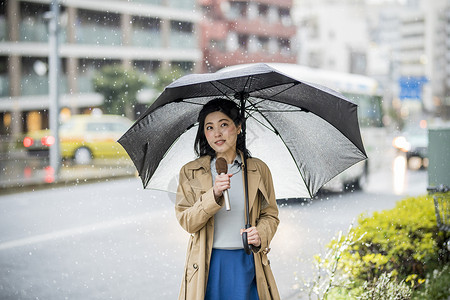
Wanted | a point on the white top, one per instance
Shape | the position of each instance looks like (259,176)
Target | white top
(227,224)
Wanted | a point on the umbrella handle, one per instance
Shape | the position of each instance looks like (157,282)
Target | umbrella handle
(247,247)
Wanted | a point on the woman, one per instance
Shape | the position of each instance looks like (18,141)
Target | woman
(217,266)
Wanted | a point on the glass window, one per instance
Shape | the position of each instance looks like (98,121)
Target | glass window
(95,27)
(369,109)
(119,127)
(179,26)
(68,126)
(98,127)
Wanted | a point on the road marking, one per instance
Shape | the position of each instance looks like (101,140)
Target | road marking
(72,232)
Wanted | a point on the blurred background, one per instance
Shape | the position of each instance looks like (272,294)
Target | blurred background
(61,239)
(115,57)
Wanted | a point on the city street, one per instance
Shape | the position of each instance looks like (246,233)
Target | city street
(349,100)
(113,240)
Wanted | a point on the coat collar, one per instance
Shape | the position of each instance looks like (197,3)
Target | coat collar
(204,162)
(254,177)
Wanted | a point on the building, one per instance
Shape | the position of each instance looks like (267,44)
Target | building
(441,98)
(236,32)
(382,57)
(332,35)
(142,34)
(402,44)
(418,54)
(413,54)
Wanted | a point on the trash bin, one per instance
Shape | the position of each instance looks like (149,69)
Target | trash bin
(439,156)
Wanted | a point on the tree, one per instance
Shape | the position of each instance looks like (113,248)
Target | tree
(119,86)
(164,77)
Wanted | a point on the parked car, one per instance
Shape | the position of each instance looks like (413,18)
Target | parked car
(83,137)
(413,141)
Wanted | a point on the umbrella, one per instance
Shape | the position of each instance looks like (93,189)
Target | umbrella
(318,126)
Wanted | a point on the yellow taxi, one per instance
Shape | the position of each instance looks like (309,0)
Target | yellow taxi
(84,137)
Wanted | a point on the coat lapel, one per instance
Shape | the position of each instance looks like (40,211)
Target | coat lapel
(203,182)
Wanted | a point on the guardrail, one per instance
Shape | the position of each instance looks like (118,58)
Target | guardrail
(441,197)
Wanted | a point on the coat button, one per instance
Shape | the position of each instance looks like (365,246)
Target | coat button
(195,266)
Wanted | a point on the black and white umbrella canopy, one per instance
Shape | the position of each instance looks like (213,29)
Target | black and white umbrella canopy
(289,122)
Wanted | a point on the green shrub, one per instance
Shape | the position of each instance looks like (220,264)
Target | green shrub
(385,288)
(326,278)
(401,241)
(436,286)
(393,254)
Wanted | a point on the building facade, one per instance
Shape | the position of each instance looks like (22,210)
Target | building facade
(402,44)
(442,58)
(142,34)
(420,53)
(236,32)
(332,35)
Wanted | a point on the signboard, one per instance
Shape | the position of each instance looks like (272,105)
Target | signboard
(411,87)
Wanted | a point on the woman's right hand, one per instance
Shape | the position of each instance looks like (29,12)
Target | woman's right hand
(221,184)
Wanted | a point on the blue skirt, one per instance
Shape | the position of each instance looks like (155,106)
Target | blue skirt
(231,276)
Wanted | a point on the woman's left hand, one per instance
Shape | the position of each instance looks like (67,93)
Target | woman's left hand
(253,237)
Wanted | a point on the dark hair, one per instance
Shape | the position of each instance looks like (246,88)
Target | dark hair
(227,107)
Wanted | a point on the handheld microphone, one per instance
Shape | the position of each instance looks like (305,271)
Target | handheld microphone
(222,168)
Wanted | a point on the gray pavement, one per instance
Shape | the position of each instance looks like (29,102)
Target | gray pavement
(113,240)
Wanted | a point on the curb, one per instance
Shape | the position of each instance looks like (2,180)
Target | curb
(69,176)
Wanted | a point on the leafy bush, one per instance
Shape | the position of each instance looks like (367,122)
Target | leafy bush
(326,277)
(394,254)
(386,288)
(436,286)
(401,241)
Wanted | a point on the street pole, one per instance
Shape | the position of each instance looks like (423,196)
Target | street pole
(54,61)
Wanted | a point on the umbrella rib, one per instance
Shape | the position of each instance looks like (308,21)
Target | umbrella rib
(279,92)
(255,110)
(229,87)
(293,84)
(249,78)
(262,124)
(274,95)
(252,107)
(282,140)
(278,111)
(191,102)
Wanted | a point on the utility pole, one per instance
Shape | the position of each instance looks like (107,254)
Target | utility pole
(54,67)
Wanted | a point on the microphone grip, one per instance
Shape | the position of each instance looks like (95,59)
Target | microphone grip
(227,200)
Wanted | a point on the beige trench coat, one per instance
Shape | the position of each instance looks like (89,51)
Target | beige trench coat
(195,209)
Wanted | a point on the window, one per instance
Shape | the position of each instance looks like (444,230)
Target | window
(263,10)
(217,45)
(179,26)
(99,127)
(243,41)
(143,23)
(101,28)
(118,127)
(285,17)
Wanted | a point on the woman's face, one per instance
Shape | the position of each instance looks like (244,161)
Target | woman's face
(221,134)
